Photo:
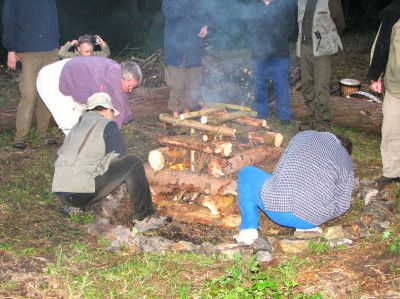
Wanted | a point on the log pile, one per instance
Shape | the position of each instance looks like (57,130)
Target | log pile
(197,169)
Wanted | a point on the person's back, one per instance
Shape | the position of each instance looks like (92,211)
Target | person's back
(313,179)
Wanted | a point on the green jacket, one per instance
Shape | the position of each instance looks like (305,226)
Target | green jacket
(392,73)
(324,23)
(82,157)
(65,53)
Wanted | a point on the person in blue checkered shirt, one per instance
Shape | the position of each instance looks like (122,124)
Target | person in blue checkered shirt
(311,184)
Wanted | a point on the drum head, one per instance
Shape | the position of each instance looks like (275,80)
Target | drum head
(350,82)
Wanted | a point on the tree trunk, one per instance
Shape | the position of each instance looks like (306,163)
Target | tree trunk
(251,157)
(226,131)
(186,180)
(266,138)
(196,214)
(346,112)
(219,148)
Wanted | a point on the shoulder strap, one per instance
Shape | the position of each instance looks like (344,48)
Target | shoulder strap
(87,136)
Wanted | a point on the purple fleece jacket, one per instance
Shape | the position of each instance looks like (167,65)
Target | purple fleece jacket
(83,76)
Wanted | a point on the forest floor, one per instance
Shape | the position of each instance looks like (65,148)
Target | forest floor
(44,254)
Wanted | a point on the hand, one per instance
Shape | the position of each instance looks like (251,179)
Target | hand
(100,41)
(74,42)
(376,86)
(203,31)
(12,59)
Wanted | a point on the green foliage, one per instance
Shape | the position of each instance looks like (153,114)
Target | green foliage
(320,247)
(398,200)
(7,246)
(392,240)
(84,218)
(246,280)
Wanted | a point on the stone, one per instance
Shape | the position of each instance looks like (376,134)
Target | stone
(229,250)
(367,182)
(366,220)
(121,234)
(334,232)
(207,248)
(99,227)
(380,226)
(308,234)
(384,195)
(264,256)
(156,244)
(295,246)
(370,195)
(261,244)
(356,186)
(183,246)
(340,242)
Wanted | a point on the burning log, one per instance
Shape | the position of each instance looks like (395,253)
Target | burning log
(220,148)
(198,214)
(226,131)
(186,180)
(220,204)
(267,138)
(251,157)
(219,119)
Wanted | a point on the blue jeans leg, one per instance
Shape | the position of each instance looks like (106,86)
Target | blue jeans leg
(250,182)
(260,82)
(280,82)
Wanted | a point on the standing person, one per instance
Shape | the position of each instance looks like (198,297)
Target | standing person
(320,23)
(84,46)
(92,163)
(66,84)
(270,24)
(311,184)
(386,52)
(186,24)
(30,34)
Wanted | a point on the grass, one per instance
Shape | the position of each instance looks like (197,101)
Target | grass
(31,227)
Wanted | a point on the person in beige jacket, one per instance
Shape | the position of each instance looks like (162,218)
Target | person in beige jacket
(84,46)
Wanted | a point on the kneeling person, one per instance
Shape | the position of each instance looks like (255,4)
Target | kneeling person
(92,163)
(311,184)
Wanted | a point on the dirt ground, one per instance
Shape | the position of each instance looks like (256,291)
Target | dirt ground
(32,223)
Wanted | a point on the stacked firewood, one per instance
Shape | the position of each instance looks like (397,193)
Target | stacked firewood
(199,169)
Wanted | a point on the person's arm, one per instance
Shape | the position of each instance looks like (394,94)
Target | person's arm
(381,52)
(105,50)
(9,26)
(64,50)
(113,139)
(337,15)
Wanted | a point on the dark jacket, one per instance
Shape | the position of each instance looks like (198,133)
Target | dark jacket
(183,21)
(30,26)
(388,17)
(270,27)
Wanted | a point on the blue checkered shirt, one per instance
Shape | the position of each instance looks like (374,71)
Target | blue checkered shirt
(313,180)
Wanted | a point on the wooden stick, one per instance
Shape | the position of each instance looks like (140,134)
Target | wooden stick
(226,131)
(219,148)
(186,180)
(255,122)
(213,119)
(267,138)
(199,113)
(229,106)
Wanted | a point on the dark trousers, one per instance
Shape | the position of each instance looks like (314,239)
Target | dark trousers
(276,70)
(129,170)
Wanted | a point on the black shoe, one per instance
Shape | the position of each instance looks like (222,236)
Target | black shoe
(383,181)
(21,145)
(49,140)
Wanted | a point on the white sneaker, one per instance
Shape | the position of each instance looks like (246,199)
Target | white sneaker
(247,236)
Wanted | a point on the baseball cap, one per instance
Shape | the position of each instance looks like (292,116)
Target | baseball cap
(101,99)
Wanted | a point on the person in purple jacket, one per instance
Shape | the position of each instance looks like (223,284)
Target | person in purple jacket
(66,85)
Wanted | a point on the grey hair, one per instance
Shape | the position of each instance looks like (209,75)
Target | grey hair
(131,70)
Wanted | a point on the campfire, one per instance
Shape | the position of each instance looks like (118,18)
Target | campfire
(194,175)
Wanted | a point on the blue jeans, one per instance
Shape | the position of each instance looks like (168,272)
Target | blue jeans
(277,70)
(250,182)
